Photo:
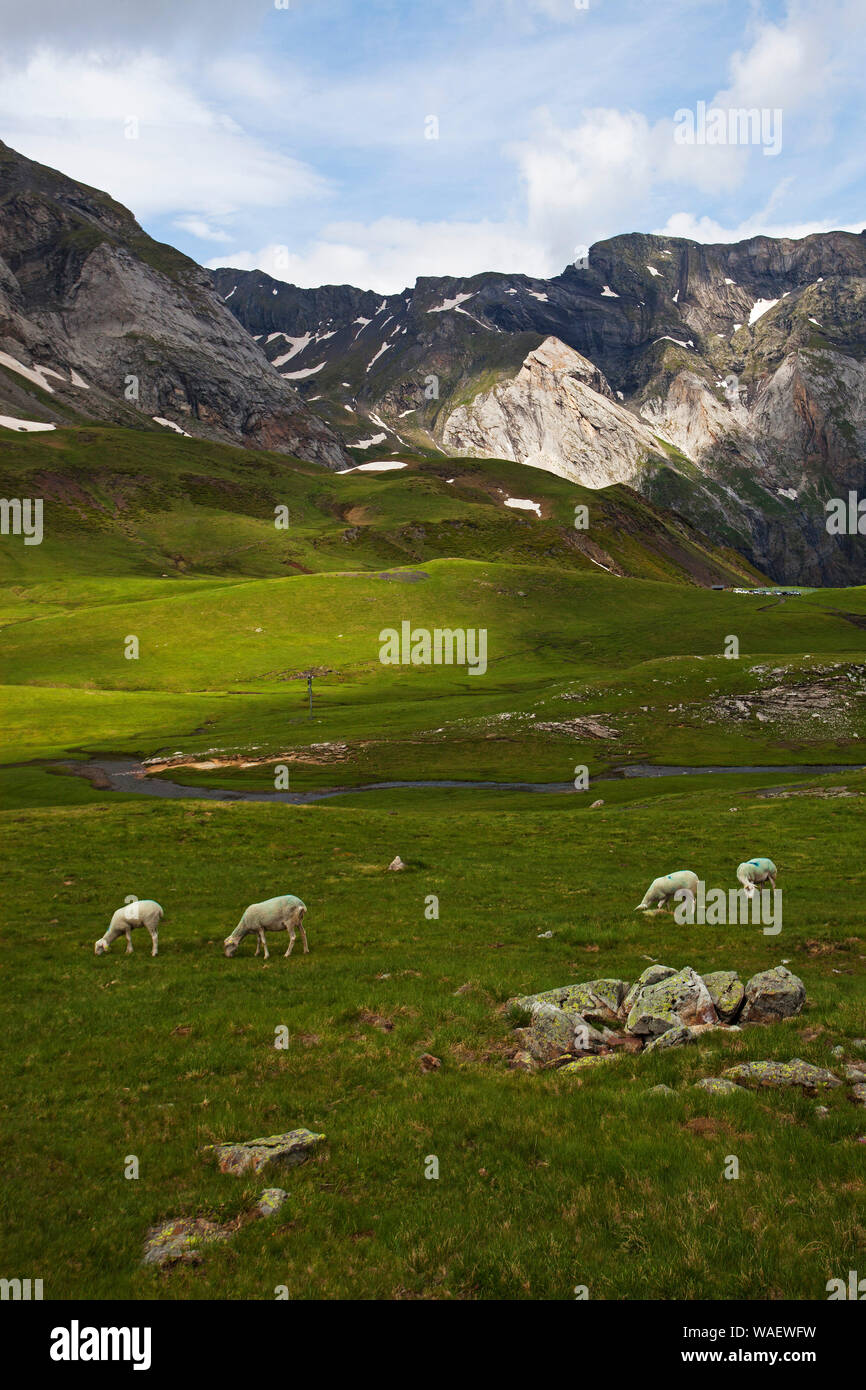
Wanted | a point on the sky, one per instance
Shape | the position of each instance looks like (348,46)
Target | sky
(370,142)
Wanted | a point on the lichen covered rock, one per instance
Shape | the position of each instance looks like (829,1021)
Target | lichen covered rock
(717,1085)
(254,1155)
(651,976)
(181,1241)
(674,1037)
(583,1063)
(773,995)
(271,1200)
(678,1001)
(757,1075)
(727,992)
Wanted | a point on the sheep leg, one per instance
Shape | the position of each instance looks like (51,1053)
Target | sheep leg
(264,943)
(154,936)
(304,938)
(290,929)
(128,941)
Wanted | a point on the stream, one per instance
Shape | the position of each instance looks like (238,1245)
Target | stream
(127,775)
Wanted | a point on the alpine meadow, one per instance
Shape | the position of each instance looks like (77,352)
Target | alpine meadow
(433,664)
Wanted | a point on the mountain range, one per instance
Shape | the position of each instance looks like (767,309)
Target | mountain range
(725,384)
(726,381)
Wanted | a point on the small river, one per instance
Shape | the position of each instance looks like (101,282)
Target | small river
(127,775)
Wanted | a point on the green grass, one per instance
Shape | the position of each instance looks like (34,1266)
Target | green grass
(545,1181)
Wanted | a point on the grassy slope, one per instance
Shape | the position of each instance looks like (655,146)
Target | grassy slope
(545,1181)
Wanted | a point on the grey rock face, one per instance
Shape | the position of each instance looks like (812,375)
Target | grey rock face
(84,291)
(773,995)
(618,371)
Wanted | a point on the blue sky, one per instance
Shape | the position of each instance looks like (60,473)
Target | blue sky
(297,139)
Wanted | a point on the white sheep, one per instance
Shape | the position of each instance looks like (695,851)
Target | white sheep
(142,912)
(677,885)
(276,914)
(754,871)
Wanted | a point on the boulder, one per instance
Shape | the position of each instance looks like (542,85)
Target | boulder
(773,995)
(662,1090)
(651,976)
(396,865)
(254,1155)
(597,1000)
(858,1093)
(756,1075)
(717,1085)
(674,1037)
(555,1032)
(271,1200)
(727,992)
(855,1071)
(677,1001)
(181,1241)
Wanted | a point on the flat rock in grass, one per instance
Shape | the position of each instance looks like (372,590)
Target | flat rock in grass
(583,1063)
(271,1200)
(855,1071)
(651,976)
(254,1155)
(662,1090)
(717,1085)
(757,1075)
(181,1241)
(597,1000)
(773,995)
(727,992)
(678,1001)
(858,1093)
(674,1037)
(859,1043)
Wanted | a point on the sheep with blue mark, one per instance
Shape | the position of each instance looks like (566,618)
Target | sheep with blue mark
(678,886)
(755,871)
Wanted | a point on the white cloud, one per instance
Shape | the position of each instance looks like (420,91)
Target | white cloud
(198,228)
(706,229)
(75,114)
(391,253)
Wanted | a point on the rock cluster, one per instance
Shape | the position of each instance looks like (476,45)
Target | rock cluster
(576,1025)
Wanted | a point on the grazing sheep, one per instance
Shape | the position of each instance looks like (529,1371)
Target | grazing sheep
(663,889)
(276,914)
(757,871)
(142,912)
